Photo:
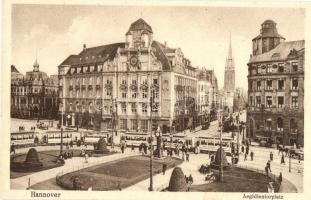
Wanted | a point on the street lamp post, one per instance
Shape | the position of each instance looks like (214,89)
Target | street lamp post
(61,130)
(151,145)
(221,167)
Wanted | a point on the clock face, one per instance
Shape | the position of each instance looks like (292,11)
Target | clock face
(133,60)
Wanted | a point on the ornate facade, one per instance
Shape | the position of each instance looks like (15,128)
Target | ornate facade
(34,95)
(116,81)
(276,88)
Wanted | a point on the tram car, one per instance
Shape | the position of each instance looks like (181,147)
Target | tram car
(177,140)
(54,137)
(211,144)
(24,138)
(93,137)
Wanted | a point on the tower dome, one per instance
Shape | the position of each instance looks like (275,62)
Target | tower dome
(268,38)
(140,24)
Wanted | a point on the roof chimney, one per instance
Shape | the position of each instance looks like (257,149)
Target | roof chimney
(84,47)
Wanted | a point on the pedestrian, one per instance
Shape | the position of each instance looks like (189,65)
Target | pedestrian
(183,156)
(271,156)
(190,179)
(242,149)
(212,158)
(122,148)
(280,179)
(164,166)
(282,159)
(132,148)
(86,157)
(252,155)
(247,149)
(187,157)
(245,156)
(269,165)
(232,159)
(12,149)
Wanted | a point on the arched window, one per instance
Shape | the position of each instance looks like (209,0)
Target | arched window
(280,124)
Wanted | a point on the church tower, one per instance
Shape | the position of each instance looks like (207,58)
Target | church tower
(229,84)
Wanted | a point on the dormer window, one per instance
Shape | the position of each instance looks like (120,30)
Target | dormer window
(92,68)
(294,66)
(99,68)
(281,67)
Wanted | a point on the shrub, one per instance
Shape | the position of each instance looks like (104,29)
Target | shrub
(177,181)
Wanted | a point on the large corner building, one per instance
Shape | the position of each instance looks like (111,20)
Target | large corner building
(276,88)
(111,85)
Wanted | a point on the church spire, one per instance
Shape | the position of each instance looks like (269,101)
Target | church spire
(230,48)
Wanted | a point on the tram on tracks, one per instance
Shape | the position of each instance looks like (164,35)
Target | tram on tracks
(209,144)
(24,138)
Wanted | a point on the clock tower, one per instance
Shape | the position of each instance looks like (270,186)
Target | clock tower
(139,35)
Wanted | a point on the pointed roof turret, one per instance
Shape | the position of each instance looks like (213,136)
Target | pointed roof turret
(36,66)
(230,48)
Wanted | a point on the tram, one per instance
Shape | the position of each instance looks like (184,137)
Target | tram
(209,144)
(23,138)
(93,137)
(54,137)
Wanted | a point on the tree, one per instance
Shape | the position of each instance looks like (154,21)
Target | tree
(177,181)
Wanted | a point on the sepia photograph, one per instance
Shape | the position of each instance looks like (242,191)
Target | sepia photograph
(145,98)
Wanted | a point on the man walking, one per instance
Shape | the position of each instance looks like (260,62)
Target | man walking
(271,156)
(282,159)
(252,155)
(164,166)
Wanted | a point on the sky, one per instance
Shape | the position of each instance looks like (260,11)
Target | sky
(53,32)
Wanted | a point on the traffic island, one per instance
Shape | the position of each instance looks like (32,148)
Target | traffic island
(115,175)
(237,179)
(31,162)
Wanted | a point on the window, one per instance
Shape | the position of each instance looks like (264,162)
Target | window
(134,94)
(258,70)
(251,100)
(144,80)
(294,66)
(144,124)
(269,85)
(108,92)
(155,81)
(123,107)
(99,68)
(78,93)
(123,82)
(269,68)
(123,94)
(258,101)
(258,85)
(92,67)
(295,84)
(294,102)
(280,124)
(269,125)
(145,94)
(293,126)
(269,101)
(134,108)
(280,102)
(156,93)
(91,81)
(98,80)
(123,124)
(155,107)
(134,124)
(281,84)
(281,67)
(85,69)
(144,108)
(134,81)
